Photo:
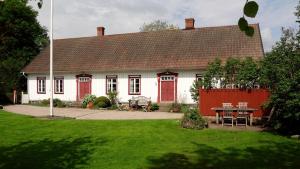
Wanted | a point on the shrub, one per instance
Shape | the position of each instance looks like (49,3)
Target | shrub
(112,97)
(177,107)
(58,103)
(45,102)
(154,107)
(87,99)
(102,102)
(193,120)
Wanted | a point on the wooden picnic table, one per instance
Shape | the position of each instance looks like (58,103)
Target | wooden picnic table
(219,110)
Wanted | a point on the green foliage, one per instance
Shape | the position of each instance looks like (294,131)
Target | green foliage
(21,39)
(154,106)
(250,10)
(58,103)
(113,97)
(280,71)
(102,102)
(231,70)
(157,25)
(194,90)
(87,99)
(213,74)
(249,73)
(178,107)
(193,120)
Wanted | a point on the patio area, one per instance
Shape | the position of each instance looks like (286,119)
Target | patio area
(88,114)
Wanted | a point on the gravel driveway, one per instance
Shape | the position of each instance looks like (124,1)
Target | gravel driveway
(78,113)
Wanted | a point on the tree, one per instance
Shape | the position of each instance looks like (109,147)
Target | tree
(157,25)
(194,90)
(280,71)
(213,74)
(231,70)
(248,74)
(21,38)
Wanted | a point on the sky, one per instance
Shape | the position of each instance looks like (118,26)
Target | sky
(79,18)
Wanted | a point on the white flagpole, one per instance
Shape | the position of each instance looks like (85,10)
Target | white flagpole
(51,59)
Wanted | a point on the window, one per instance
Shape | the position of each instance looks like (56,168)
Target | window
(111,83)
(59,85)
(167,78)
(134,84)
(199,77)
(41,85)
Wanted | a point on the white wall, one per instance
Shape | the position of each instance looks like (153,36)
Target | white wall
(149,86)
(69,88)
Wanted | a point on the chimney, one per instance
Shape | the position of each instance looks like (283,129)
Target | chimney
(189,23)
(100,31)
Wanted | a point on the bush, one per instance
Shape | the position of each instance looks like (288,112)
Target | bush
(178,107)
(193,120)
(87,99)
(45,102)
(154,107)
(58,103)
(112,97)
(102,102)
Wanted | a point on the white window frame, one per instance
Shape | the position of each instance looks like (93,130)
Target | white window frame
(110,83)
(41,85)
(134,78)
(59,85)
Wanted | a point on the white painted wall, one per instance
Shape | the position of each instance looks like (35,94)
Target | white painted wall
(149,86)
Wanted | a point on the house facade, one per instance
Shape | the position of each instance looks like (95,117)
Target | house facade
(161,65)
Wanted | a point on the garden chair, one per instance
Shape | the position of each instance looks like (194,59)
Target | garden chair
(242,114)
(227,114)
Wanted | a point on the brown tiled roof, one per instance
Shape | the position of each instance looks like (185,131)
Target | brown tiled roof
(161,50)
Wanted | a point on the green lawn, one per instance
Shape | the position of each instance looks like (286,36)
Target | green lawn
(31,143)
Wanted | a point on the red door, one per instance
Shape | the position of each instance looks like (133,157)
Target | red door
(84,87)
(167,88)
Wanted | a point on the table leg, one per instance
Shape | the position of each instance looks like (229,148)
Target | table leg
(251,118)
(217,117)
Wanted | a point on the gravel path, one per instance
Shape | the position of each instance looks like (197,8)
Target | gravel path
(78,113)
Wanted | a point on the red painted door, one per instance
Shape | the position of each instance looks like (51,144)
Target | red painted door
(167,88)
(84,87)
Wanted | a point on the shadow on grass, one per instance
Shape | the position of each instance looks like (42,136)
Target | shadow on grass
(270,155)
(48,154)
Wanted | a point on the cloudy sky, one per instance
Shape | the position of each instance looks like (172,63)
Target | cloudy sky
(78,18)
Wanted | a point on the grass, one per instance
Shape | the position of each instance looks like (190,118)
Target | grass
(32,143)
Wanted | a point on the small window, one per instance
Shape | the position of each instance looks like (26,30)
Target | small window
(199,77)
(59,85)
(167,78)
(111,83)
(41,85)
(134,85)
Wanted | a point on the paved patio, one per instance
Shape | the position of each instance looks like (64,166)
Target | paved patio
(79,113)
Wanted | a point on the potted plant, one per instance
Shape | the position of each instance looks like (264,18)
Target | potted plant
(88,101)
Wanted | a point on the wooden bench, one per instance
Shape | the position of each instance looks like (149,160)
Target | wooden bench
(140,101)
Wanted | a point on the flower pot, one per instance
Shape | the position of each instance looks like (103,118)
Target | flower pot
(90,105)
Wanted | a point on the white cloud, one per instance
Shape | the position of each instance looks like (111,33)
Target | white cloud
(78,18)
(267,37)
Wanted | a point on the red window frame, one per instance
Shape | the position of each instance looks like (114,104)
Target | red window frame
(37,85)
(140,84)
(55,86)
(109,77)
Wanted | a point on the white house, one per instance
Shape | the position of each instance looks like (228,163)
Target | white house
(161,65)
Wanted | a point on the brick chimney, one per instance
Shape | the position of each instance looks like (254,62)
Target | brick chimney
(189,23)
(100,31)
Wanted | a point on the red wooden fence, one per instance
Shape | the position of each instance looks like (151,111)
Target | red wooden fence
(215,98)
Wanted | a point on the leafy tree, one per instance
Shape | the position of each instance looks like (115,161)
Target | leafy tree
(213,74)
(21,38)
(248,75)
(157,26)
(231,70)
(280,71)
(194,90)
